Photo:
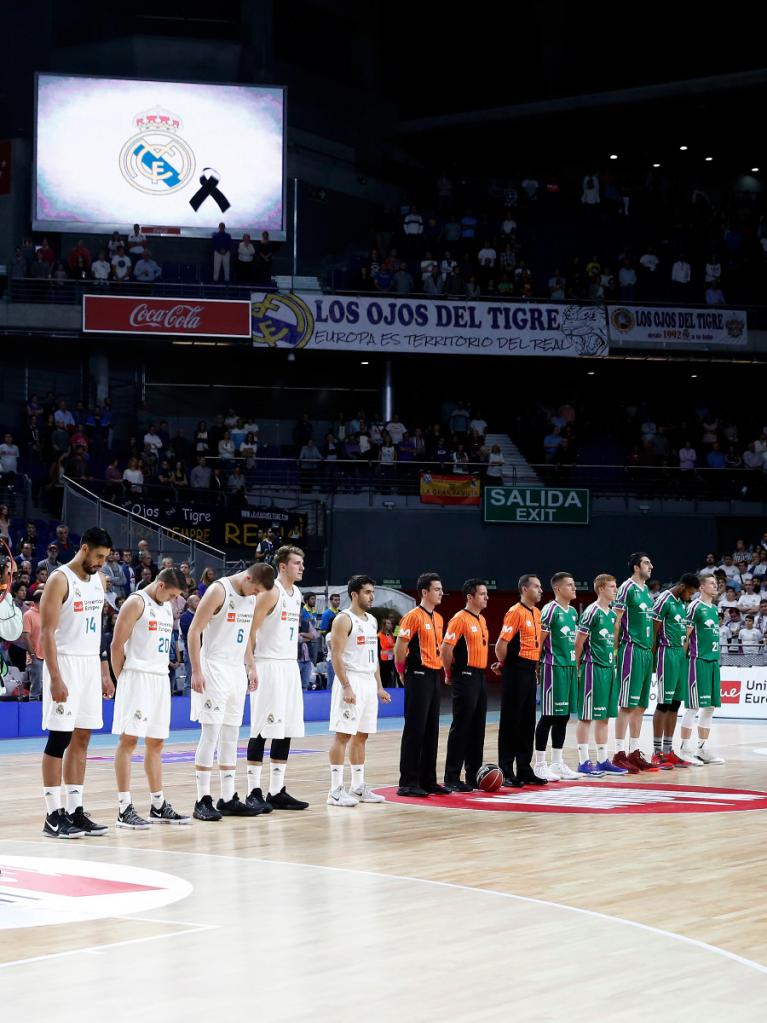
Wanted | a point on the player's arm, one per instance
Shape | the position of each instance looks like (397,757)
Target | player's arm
(508,631)
(452,635)
(25,636)
(580,640)
(383,696)
(265,602)
(129,614)
(212,601)
(107,685)
(54,595)
(617,629)
(339,635)
(400,653)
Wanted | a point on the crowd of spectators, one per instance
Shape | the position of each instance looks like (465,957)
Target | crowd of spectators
(593,239)
(742,597)
(127,259)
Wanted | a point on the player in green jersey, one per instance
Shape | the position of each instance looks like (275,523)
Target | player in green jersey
(597,686)
(703,691)
(559,682)
(633,608)
(669,614)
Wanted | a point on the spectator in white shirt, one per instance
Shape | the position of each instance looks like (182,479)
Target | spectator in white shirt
(734,624)
(153,439)
(121,265)
(427,263)
(748,600)
(558,286)
(590,193)
(487,256)
(688,456)
(133,475)
(412,223)
(478,426)
(508,226)
(9,457)
(750,637)
(649,261)
(494,469)
(63,417)
(226,446)
(136,242)
(246,253)
(236,481)
(447,266)
(729,568)
(100,268)
(730,599)
(114,244)
(530,187)
(741,552)
(627,280)
(753,459)
(681,274)
(147,269)
(396,429)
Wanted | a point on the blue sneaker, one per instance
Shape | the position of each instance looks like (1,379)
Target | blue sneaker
(608,767)
(592,770)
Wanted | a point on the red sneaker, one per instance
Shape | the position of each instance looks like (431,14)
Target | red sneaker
(674,760)
(659,760)
(639,762)
(621,760)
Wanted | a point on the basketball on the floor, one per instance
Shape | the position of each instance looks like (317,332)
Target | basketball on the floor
(489,777)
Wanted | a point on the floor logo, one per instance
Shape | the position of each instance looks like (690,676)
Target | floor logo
(598,798)
(35,890)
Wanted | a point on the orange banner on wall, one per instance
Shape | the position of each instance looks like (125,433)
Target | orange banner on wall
(449,489)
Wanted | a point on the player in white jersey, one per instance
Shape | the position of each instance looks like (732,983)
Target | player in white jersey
(74,681)
(276,697)
(220,645)
(140,655)
(356,691)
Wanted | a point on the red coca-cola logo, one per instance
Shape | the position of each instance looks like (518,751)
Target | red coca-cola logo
(183,316)
(730,691)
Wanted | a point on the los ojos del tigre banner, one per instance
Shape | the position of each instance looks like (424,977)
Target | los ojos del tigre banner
(391,324)
(449,489)
(678,326)
(220,526)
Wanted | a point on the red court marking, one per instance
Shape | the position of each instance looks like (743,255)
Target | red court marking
(594,797)
(73,886)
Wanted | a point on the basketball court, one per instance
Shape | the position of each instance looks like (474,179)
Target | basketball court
(624,898)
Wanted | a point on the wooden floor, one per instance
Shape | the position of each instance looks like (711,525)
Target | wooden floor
(407,912)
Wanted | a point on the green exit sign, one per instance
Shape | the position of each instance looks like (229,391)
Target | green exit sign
(553,506)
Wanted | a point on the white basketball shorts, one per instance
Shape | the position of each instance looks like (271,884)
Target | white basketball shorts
(223,702)
(142,705)
(82,707)
(360,716)
(277,706)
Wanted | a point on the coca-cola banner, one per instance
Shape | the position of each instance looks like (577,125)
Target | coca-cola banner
(166,317)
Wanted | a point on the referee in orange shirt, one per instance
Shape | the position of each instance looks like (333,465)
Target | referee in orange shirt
(518,650)
(464,656)
(418,662)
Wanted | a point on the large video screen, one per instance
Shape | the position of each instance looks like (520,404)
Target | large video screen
(173,156)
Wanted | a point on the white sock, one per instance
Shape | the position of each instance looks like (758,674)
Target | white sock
(556,756)
(157,799)
(336,777)
(227,784)
(203,783)
(276,777)
(74,797)
(540,758)
(601,753)
(620,745)
(633,745)
(52,797)
(358,776)
(254,777)
(583,752)
(123,801)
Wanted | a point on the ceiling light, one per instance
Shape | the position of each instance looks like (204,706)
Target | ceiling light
(613,156)
(693,376)
(364,364)
(709,159)
(656,165)
(754,170)
(683,148)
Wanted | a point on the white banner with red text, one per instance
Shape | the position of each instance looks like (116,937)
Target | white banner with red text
(743,691)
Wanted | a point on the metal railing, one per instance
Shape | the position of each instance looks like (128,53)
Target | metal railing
(68,292)
(82,508)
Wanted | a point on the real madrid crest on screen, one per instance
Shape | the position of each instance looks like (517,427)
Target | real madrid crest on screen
(156,160)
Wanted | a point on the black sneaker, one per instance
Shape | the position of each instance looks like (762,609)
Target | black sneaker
(282,801)
(439,790)
(412,790)
(256,799)
(167,815)
(81,820)
(128,818)
(234,807)
(459,786)
(204,810)
(59,825)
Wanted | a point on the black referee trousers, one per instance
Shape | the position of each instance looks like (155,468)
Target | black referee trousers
(420,736)
(466,740)
(516,728)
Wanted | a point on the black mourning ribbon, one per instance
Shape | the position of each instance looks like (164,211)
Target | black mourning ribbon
(209,188)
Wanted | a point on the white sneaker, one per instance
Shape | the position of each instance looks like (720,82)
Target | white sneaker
(690,757)
(364,794)
(544,772)
(563,772)
(340,797)
(708,756)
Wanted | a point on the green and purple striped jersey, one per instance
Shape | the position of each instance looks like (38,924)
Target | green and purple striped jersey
(703,619)
(671,612)
(636,623)
(559,626)
(598,626)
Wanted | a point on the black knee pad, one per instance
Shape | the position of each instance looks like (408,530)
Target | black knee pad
(256,749)
(663,707)
(57,744)
(674,705)
(279,749)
